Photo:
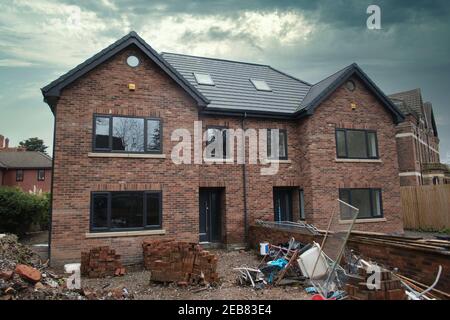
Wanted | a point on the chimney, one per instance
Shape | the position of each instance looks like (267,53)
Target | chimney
(6,143)
(2,138)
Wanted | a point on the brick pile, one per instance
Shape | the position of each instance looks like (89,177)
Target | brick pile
(181,262)
(100,262)
(390,289)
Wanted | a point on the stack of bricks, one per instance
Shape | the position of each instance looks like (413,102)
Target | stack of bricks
(389,288)
(100,262)
(181,262)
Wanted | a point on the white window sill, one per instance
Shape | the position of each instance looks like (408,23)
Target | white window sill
(265,161)
(374,220)
(125,155)
(359,160)
(117,234)
(218,160)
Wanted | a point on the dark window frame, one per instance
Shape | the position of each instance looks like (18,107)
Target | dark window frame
(145,226)
(367,144)
(225,145)
(43,176)
(285,143)
(301,204)
(19,177)
(110,138)
(371,197)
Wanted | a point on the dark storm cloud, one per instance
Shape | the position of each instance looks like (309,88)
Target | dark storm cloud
(410,51)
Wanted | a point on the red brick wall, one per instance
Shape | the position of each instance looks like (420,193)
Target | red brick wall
(29,180)
(311,151)
(419,265)
(322,175)
(105,90)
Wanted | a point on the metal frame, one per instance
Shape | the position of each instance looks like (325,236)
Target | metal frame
(109,208)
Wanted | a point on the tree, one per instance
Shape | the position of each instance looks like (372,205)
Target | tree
(34,144)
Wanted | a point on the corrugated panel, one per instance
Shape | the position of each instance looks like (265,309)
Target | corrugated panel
(233,89)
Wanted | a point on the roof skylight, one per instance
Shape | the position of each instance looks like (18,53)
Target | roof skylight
(260,85)
(204,78)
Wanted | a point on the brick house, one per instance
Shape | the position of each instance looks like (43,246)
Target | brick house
(115,182)
(418,142)
(28,170)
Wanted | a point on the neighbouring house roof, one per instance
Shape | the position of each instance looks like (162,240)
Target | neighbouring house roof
(233,92)
(412,99)
(233,89)
(24,160)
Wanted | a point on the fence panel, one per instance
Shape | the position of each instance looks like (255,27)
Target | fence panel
(426,207)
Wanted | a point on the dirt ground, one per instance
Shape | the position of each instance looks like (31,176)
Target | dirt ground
(137,283)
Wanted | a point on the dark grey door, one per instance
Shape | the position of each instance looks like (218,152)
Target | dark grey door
(210,221)
(282,200)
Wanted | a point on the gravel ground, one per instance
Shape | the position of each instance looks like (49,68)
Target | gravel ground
(136,281)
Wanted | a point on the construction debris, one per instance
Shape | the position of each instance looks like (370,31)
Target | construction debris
(100,262)
(278,267)
(181,262)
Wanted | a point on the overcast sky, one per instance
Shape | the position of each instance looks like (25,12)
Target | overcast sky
(42,39)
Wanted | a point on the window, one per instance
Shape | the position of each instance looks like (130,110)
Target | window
(260,85)
(282,144)
(368,201)
(356,144)
(127,134)
(41,175)
(203,78)
(301,200)
(218,136)
(126,210)
(19,175)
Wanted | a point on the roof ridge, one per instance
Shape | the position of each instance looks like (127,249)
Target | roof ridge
(217,59)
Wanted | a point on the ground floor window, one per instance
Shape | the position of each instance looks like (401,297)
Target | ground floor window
(126,210)
(368,201)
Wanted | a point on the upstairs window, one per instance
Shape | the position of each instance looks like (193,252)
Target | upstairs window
(19,175)
(127,134)
(368,201)
(41,175)
(203,78)
(356,144)
(218,136)
(282,144)
(260,85)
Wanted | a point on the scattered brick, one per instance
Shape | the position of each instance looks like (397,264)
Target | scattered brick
(181,262)
(100,262)
(28,273)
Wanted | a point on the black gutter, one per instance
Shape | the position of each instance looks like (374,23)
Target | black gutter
(244,182)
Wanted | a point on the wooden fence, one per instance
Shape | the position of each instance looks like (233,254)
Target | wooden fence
(426,207)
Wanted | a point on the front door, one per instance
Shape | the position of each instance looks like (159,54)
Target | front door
(282,201)
(210,215)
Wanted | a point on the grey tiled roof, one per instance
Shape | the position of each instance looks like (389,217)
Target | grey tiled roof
(24,159)
(233,89)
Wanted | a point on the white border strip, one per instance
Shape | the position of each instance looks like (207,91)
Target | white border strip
(409,134)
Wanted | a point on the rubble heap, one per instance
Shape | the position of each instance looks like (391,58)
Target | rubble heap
(390,289)
(24,276)
(181,262)
(100,262)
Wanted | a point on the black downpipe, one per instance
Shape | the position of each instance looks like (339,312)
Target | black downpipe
(244,182)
